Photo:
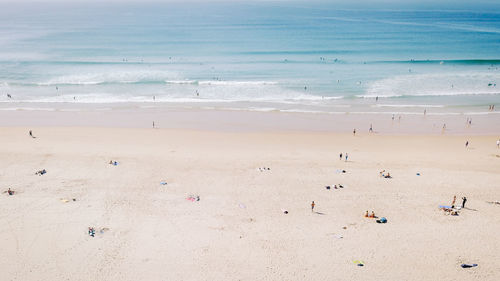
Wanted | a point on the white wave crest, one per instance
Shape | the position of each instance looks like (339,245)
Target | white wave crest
(436,84)
(109,77)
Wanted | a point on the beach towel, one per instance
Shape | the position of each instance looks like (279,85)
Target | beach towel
(359,263)
(193,198)
(444,207)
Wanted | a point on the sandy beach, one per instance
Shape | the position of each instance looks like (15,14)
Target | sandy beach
(146,230)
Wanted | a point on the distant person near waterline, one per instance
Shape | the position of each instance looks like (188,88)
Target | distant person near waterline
(312,206)
(354,132)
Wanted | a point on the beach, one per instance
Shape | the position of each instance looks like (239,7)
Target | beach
(209,204)
(249,140)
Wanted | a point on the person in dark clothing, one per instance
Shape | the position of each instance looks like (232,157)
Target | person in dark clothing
(464,199)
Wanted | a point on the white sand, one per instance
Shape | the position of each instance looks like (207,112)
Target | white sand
(237,231)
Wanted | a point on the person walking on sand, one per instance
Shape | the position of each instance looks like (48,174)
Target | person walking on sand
(312,206)
(354,132)
(371,128)
(464,199)
(498,143)
(340,156)
(466,144)
(31,134)
(346,156)
(453,202)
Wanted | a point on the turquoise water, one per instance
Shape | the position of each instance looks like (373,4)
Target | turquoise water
(259,56)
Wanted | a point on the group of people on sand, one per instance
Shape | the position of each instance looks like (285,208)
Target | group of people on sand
(383,174)
(454,210)
(464,200)
(346,156)
(111,162)
(41,172)
(334,187)
(372,215)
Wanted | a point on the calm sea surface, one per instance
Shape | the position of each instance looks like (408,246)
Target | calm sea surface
(258,57)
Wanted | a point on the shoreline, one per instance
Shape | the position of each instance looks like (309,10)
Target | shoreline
(212,119)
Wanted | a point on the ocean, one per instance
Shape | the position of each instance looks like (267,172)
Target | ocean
(264,57)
